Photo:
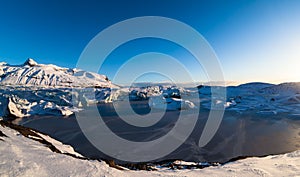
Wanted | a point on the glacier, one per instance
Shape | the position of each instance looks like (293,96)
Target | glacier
(46,89)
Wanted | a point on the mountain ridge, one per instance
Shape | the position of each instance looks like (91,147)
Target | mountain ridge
(32,74)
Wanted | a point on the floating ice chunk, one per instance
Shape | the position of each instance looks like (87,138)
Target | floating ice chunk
(159,102)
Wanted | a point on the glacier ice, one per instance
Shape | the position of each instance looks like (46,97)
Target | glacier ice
(45,89)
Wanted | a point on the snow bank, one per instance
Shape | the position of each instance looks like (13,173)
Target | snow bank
(60,146)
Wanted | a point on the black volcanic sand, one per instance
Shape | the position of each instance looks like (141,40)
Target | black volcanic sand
(247,134)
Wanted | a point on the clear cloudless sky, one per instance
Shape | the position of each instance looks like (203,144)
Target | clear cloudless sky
(254,40)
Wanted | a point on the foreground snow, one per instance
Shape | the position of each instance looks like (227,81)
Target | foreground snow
(21,156)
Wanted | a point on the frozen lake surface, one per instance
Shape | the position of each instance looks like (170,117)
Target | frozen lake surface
(246,134)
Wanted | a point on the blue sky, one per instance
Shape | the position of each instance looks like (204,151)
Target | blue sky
(254,40)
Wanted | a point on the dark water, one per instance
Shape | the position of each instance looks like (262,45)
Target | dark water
(247,134)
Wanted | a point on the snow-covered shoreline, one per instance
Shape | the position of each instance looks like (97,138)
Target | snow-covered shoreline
(21,156)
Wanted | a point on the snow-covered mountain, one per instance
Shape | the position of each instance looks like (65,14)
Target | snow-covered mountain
(39,89)
(40,75)
(283,89)
(262,98)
